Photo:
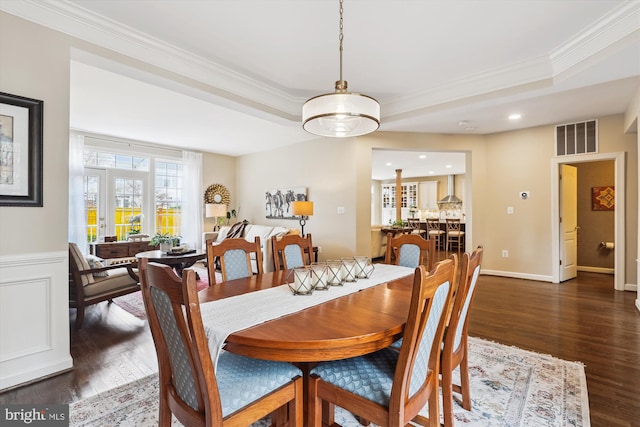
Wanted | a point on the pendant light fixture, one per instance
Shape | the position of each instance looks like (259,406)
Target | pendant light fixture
(341,114)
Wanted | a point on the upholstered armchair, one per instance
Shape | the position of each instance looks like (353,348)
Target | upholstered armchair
(89,285)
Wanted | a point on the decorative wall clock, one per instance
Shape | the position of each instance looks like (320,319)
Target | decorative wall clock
(217,193)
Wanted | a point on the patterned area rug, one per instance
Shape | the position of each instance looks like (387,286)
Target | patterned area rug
(509,387)
(133,304)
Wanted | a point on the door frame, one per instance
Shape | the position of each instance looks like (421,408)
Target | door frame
(619,222)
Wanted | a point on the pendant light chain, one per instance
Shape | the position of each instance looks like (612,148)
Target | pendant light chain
(340,38)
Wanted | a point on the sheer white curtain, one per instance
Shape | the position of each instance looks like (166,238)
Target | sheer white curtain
(192,196)
(77,219)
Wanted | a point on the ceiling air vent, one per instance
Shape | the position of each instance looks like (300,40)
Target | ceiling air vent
(577,138)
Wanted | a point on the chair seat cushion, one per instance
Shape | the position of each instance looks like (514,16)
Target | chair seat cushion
(369,376)
(114,282)
(243,380)
(455,233)
(436,232)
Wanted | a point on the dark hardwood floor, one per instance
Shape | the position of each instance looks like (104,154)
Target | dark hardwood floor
(580,320)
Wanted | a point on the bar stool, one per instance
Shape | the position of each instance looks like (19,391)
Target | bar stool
(433,228)
(454,234)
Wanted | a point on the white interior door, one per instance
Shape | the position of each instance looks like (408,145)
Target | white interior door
(568,222)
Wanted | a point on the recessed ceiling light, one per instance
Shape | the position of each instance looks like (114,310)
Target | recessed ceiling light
(431,172)
(448,166)
(388,163)
(515,116)
(422,156)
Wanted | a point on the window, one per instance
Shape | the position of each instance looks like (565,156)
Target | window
(127,194)
(168,192)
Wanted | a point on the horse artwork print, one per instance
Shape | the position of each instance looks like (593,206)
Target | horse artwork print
(277,202)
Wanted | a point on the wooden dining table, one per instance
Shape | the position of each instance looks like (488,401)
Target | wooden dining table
(352,325)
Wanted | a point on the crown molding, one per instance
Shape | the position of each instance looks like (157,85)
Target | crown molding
(83,24)
(276,103)
(613,28)
(521,74)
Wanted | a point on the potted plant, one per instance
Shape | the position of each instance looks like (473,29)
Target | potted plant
(233,213)
(165,240)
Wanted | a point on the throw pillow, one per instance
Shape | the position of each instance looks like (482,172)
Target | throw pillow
(236,230)
(96,262)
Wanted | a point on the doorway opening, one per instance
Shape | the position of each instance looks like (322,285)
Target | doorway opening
(619,226)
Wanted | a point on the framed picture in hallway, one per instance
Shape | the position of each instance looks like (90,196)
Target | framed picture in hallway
(20,151)
(603,198)
(277,202)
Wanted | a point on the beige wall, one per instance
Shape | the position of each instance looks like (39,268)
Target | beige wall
(34,62)
(326,169)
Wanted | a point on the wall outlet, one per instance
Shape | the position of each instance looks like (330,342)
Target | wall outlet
(505,253)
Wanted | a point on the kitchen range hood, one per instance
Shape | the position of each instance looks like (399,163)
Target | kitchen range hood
(450,201)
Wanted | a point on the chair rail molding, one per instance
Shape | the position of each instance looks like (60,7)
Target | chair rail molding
(34,317)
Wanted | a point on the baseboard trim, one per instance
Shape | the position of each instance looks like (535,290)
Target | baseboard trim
(516,275)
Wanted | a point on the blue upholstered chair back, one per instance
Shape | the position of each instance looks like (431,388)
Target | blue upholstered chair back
(293,255)
(178,351)
(409,255)
(427,341)
(236,266)
(465,308)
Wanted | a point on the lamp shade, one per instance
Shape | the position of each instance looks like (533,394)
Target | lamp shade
(341,114)
(302,208)
(216,210)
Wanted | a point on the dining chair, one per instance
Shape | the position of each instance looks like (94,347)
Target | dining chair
(409,250)
(235,258)
(291,251)
(455,350)
(391,387)
(237,392)
(434,230)
(454,234)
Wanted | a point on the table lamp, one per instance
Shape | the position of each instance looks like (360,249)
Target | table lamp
(304,210)
(215,210)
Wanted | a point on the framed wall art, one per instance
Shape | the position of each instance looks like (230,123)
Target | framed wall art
(20,151)
(603,198)
(278,201)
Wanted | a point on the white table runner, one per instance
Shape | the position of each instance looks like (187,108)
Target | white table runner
(223,317)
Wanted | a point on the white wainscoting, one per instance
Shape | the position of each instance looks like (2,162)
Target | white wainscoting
(34,317)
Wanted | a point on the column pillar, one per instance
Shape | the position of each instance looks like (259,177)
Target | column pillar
(398,194)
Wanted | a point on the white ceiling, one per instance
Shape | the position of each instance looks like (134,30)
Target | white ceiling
(242,69)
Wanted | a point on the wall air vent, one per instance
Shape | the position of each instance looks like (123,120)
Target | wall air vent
(577,138)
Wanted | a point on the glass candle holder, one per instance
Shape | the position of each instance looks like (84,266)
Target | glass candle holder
(364,267)
(349,270)
(334,273)
(319,276)
(299,281)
